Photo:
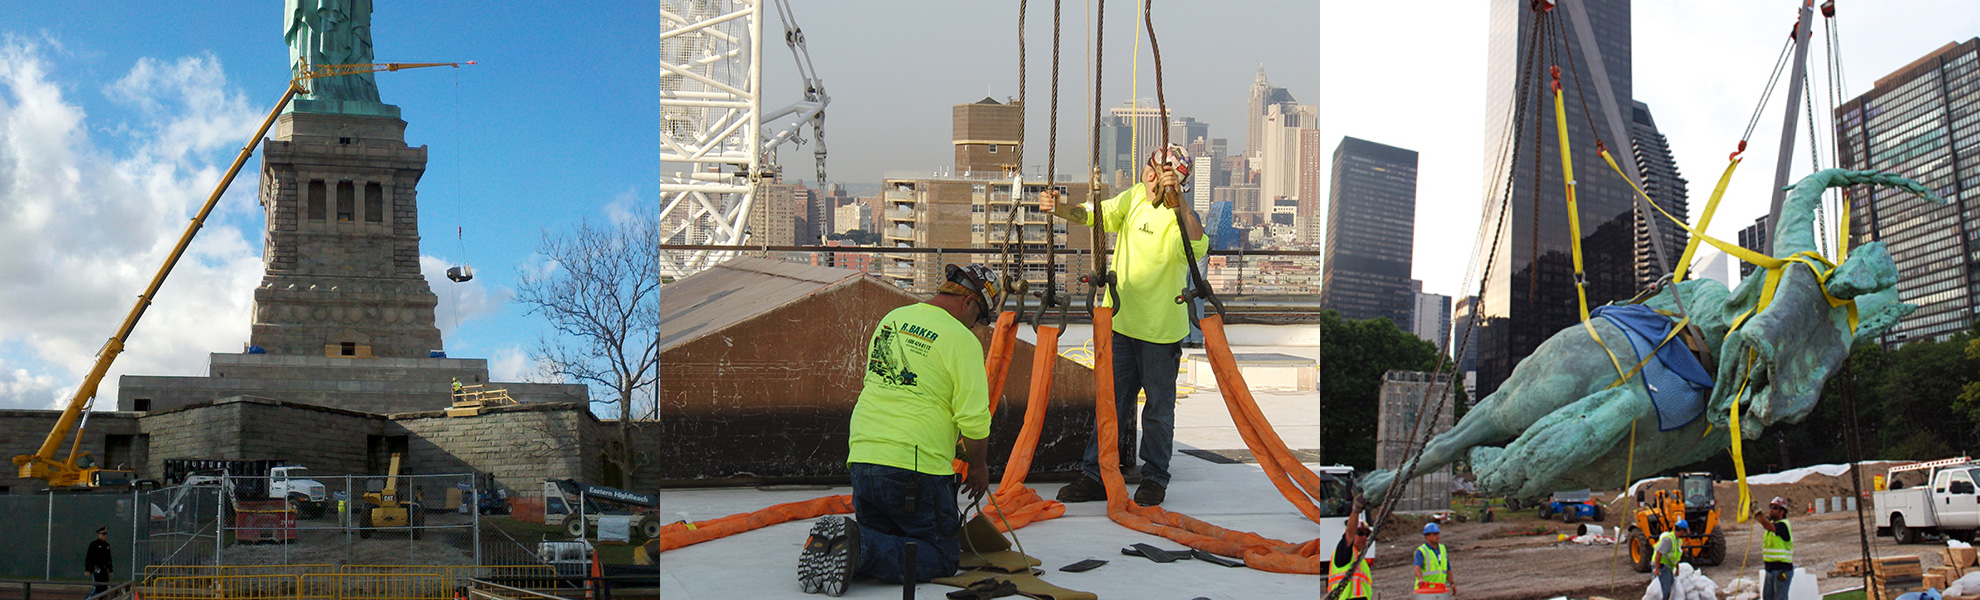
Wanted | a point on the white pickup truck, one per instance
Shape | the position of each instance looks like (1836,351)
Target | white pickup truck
(1946,503)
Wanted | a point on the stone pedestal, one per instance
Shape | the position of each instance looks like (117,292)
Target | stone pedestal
(342,245)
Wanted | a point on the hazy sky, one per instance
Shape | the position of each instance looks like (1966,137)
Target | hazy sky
(894,69)
(1415,78)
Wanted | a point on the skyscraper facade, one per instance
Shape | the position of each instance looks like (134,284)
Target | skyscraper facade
(986,135)
(1263,96)
(1371,229)
(1529,292)
(1430,316)
(1922,122)
(1663,184)
(1753,237)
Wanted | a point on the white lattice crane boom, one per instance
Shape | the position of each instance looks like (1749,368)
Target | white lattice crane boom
(716,141)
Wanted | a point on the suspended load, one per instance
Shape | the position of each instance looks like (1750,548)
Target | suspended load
(465,272)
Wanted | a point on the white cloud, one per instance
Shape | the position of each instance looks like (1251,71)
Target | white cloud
(513,363)
(84,226)
(459,302)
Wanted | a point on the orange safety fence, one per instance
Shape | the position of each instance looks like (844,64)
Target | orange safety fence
(1259,552)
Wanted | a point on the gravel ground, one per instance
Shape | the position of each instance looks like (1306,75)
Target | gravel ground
(1487,563)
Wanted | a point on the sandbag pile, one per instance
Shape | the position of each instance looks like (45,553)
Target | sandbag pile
(1689,585)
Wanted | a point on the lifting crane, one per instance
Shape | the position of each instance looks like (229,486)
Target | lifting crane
(78,469)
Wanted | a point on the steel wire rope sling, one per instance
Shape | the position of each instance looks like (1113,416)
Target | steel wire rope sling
(1509,147)
(1258,552)
(1014,503)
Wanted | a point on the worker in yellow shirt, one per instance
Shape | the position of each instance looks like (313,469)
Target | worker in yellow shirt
(925,387)
(1151,319)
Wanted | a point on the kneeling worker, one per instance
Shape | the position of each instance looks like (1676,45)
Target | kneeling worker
(925,386)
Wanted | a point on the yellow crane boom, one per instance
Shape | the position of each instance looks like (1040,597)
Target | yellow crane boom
(65,472)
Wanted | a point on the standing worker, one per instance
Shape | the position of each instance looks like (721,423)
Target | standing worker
(96,562)
(1344,570)
(1150,321)
(1433,565)
(921,393)
(1776,550)
(1669,552)
(457,386)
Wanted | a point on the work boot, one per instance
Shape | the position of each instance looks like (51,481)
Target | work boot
(830,554)
(1150,493)
(1131,475)
(1085,489)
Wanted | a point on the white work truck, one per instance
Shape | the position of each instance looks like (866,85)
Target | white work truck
(1944,500)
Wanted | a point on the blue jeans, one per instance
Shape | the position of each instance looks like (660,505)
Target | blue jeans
(1666,578)
(1776,586)
(1143,366)
(884,528)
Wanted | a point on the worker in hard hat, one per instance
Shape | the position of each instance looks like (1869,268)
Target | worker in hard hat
(457,386)
(1776,550)
(925,387)
(1345,570)
(1433,564)
(1669,552)
(1150,317)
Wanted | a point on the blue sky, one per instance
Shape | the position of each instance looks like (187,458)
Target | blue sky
(116,119)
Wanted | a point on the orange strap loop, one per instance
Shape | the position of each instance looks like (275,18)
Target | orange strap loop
(1258,552)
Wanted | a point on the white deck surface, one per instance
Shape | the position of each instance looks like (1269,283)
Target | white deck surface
(762,563)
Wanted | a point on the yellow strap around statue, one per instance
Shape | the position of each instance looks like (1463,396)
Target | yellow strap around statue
(1574,229)
(1739,458)
(1704,220)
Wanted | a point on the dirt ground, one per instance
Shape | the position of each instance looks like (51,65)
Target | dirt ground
(1495,561)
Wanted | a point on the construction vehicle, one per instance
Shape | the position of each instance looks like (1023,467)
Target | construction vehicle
(250,480)
(78,469)
(1659,511)
(582,504)
(1572,506)
(385,508)
(1949,506)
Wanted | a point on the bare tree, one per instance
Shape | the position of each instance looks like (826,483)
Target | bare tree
(600,290)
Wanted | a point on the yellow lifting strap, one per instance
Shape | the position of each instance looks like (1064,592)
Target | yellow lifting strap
(1776,267)
(1574,225)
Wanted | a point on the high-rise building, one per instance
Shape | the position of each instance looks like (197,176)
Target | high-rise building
(1530,293)
(1663,184)
(986,134)
(1753,237)
(1118,165)
(778,218)
(1279,153)
(1263,96)
(1919,122)
(1371,232)
(1309,186)
(1223,231)
(1430,316)
(851,216)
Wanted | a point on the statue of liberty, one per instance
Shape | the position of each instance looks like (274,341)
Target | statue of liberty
(331,32)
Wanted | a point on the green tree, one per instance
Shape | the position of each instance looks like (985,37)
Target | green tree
(1353,357)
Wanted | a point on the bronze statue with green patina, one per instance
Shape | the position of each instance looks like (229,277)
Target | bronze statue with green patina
(333,32)
(1558,423)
